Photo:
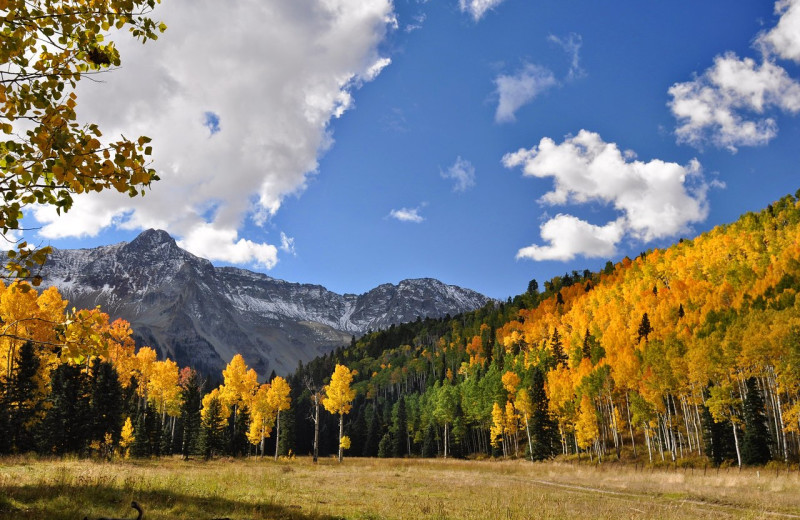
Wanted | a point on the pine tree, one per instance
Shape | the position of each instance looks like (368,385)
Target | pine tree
(105,402)
(400,429)
(644,328)
(385,446)
(586,350)
(21,403)
(544,428)
(214,426)
(190,416)
(373,433)
(559,357)
(141,444)
(755,445)
(65,426)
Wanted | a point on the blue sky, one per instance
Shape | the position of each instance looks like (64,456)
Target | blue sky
(484,142)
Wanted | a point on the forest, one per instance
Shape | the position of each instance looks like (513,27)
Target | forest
(691,353)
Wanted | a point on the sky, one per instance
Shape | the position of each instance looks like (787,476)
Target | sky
(485,143)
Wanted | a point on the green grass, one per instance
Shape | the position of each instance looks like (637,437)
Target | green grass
(386,488)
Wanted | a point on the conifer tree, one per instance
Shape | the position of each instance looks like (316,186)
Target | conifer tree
(214,425)
(65,426)
(105,401)
(373,437)
(544,428)
(20,402)
(191,403)
(644,328)
(755,445)
(385,446)
(559,357)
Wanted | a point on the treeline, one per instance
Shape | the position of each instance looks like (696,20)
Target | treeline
(75,383)
(692,351)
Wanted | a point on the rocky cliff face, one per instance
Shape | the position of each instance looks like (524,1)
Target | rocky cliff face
(201,315)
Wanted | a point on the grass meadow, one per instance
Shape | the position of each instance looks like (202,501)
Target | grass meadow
(402,489)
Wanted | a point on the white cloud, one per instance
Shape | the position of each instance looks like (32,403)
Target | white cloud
(477,8)
(462,172)
(203,240)
(287,244)
(570,236)
(572,46)
(784,38)
(407,215)
(519,89)
(655,199)
(727,104)
(272,93)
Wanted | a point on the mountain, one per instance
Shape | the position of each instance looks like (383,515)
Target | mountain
(200,315)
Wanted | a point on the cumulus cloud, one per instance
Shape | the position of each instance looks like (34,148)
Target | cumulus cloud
(462,173)
(238,115)
(572,46)
(477,8)
(727,104)
(732,103)
(570,236)
(519,89)
(407,215)
(655,199)
(784,39)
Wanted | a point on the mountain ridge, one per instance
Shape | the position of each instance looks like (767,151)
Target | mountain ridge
(201,315)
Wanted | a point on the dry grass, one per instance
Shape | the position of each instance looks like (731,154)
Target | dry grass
(380,488)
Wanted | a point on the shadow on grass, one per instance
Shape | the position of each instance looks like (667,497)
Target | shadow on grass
(74,502)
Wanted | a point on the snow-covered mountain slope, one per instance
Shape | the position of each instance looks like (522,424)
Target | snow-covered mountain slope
(201,315)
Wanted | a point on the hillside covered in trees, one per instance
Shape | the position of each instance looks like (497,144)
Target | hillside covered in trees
(679,354)
(685,352)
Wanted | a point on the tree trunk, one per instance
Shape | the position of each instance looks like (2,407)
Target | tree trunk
(316,428)
(630,424)
(277,433)
(341,431)
(445,440)
(528,431)
(736,442)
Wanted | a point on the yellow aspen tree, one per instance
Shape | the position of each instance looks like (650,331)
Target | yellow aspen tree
(279,400)
(498,427)
(339,396)
(122,351)
(127,437)
(511,382)
(145,359)
(163,389)
(512,425)
(262,417)
(586,428)
(525,406)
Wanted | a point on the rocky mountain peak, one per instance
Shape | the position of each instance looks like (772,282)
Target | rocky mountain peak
(200,315)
